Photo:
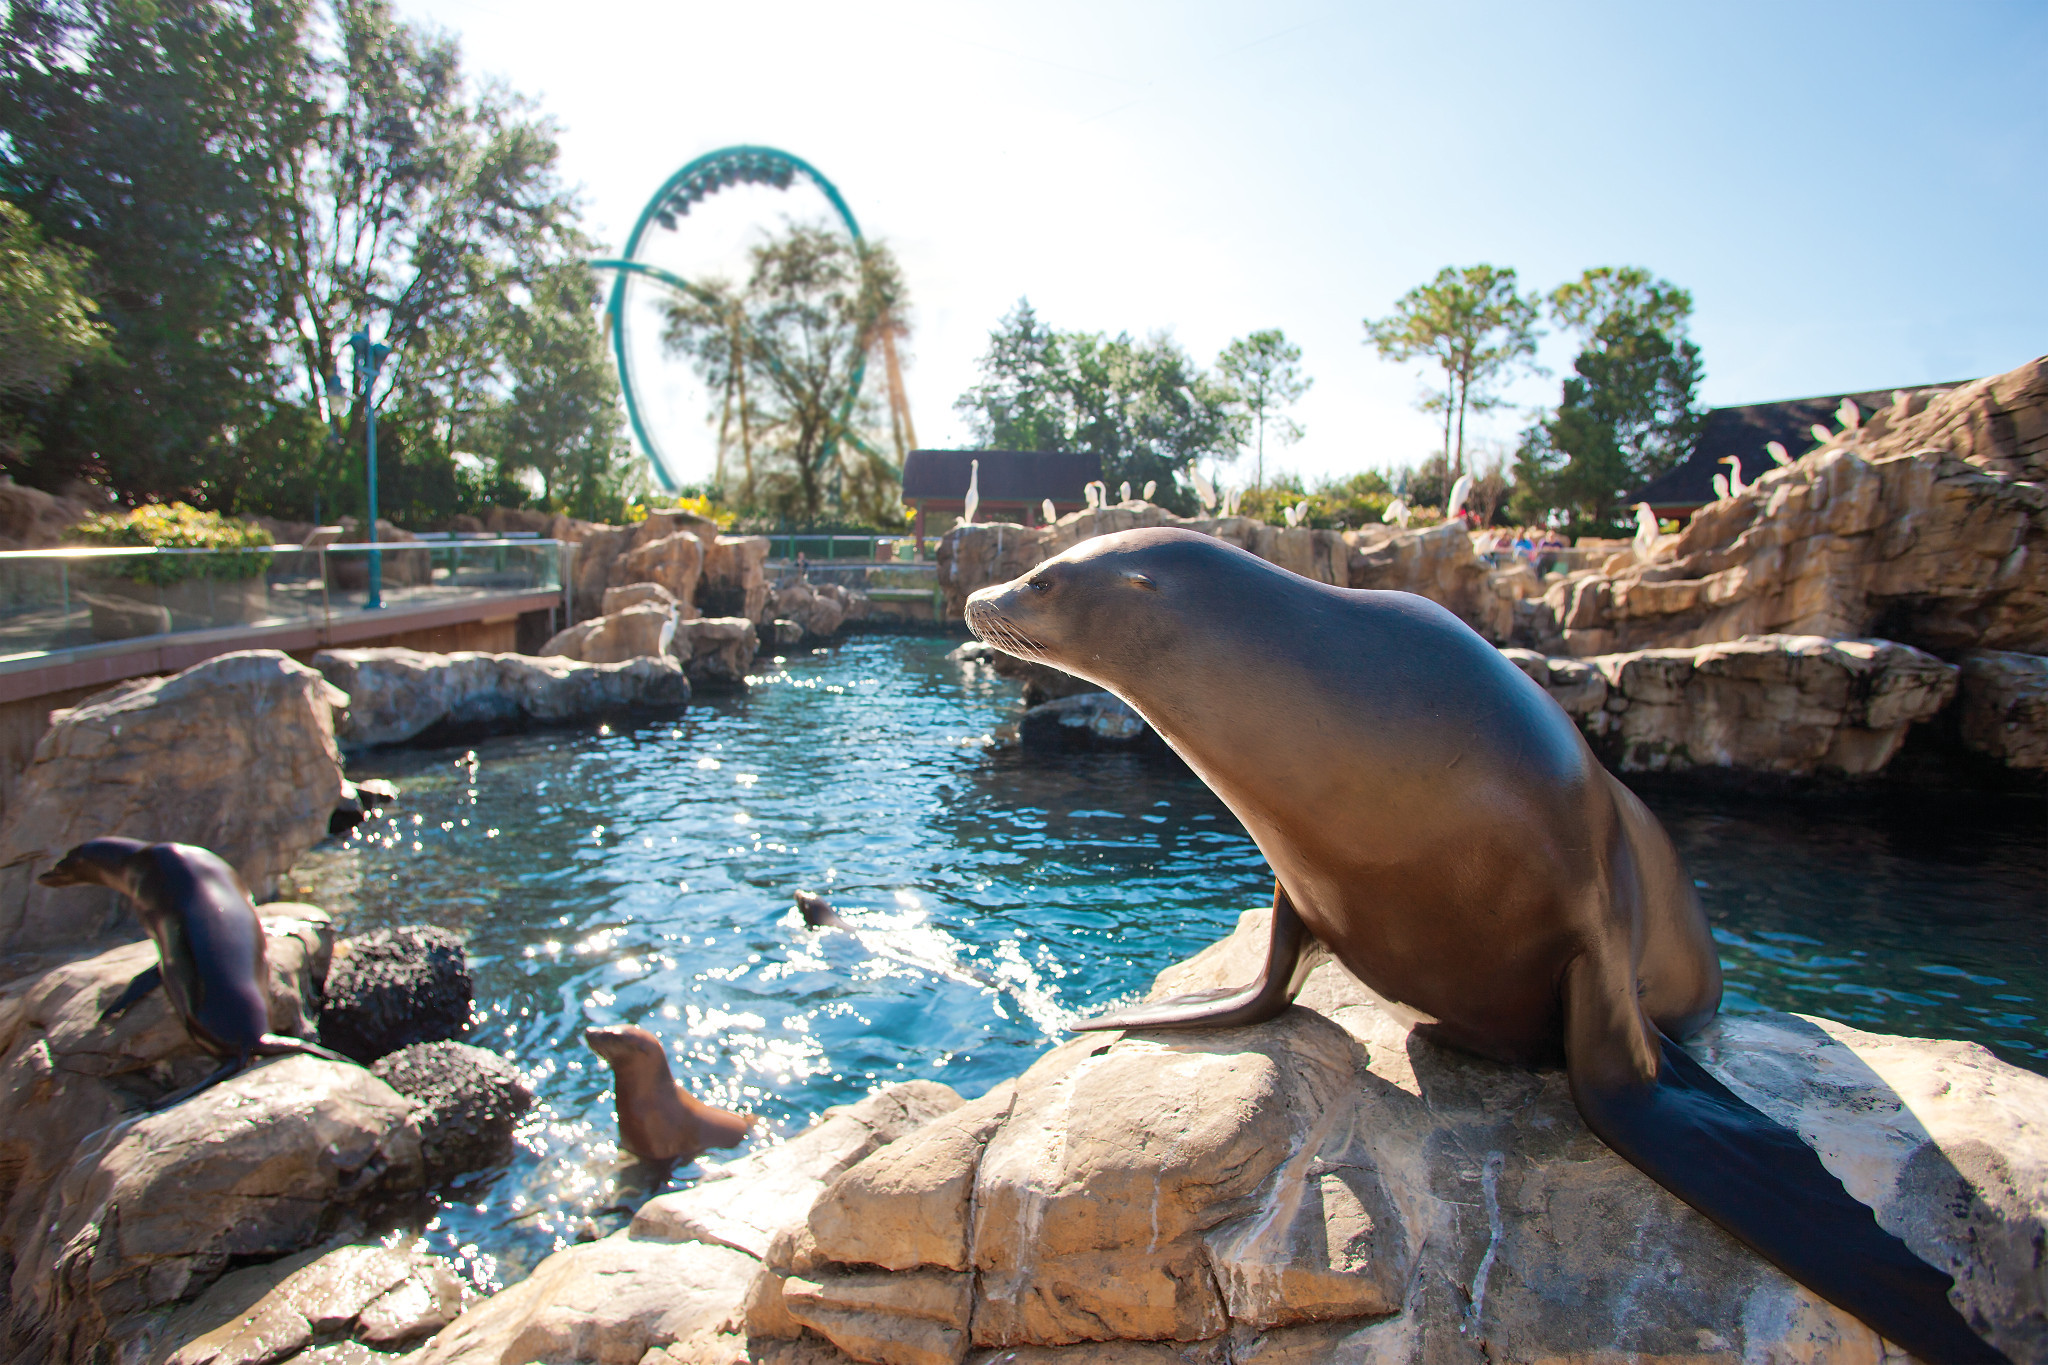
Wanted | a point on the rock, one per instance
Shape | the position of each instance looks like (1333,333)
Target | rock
(109,1215)
(374,1295)
(674,562)
(1928,526)
(819,613)
(778,633)
(349,571)
(123,618)
(470,1102)
(398,695)
(261,1165)
(392,988)
(633,594)
(358,799)
(673,1286)
(2004,708)
(1788,704)
(735,577)
(721,650)
(1327,1186)
(236,754)
(630,633)
(1090,720)
(31,519)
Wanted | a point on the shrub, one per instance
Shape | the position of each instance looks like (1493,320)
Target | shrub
(239,545)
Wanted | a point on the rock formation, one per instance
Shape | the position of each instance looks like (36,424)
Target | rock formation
(2004,709)
(391,988)
(377,1298)
(714,651)
(820,608)
(399,694)
(466,1104)
(31,519)
(236,754)
(1087,721)
(109,1217)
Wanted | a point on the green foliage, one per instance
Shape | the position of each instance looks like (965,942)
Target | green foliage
(48,327)
(177,526)
(1145,407)
(1475,325)
(1337,502)
(1628,411)
(254,183)
(783,351)
(154,137)
(1263,371)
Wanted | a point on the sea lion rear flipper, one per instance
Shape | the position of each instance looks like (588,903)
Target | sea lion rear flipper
(1253,1004)
(144,982)
(1754,1177)
(228,1068)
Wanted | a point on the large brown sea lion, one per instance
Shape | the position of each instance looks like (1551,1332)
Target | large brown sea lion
(658,1119)
(211,959)
(1440,825)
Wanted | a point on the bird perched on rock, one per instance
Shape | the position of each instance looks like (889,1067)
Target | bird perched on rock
(658,1119)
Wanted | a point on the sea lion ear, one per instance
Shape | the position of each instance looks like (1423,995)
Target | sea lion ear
(1138,580)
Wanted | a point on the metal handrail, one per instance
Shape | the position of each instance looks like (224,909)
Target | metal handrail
(122,551)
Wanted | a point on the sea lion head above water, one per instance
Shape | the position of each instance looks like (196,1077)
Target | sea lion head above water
(1438,823)
(658,1119)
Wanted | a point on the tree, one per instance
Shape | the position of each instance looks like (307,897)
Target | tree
(1628,411)
(1144,407)
(1472,323)
(153,137)
(48,326)
(782,351)
(1264,370)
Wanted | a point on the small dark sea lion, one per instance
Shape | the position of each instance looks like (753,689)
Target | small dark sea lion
(211,958)
(818,912)
(658,1119)
(1440,825)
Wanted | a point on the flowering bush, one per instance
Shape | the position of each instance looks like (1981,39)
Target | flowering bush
(240,546)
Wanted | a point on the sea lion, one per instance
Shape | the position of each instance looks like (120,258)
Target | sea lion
(818,912)
(658,1119)
(1441,826)
(211,958)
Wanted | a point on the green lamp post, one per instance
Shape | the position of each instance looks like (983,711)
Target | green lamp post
(370,357)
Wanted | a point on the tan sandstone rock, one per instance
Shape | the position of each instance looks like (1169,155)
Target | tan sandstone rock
(631,632)
(396,694)
(1786,704)
(735,577)
(2004,707)
(674,561)
(633,594)
(675,1285)
(236,754)
(375,1295)
(721,649)
(1327,1187)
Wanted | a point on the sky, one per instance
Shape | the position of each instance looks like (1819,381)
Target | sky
(1854,194)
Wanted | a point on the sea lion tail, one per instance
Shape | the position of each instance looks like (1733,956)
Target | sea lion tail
(1762,1184)
(277,1045)
(1286,966)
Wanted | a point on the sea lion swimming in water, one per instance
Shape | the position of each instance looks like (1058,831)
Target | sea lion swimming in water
(1440,825)
(211,958)
(818,912)
(658,1119)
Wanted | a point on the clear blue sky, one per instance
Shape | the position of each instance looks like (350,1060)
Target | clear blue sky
(1856,195)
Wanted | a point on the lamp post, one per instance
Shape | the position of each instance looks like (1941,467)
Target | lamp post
(370,357)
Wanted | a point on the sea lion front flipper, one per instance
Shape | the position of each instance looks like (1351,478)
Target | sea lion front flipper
(144,982)
(1225,1008)
(1754,1177)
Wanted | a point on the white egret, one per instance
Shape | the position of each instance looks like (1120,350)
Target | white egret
(1849,415)
(1822,434)
(1646,527)
(1205,491)
(668,633)
(1779,455)
(1397,511)
(1051,513)
(1720,486)
(1151,487)
(1735,483)
(973,490)
(1231,500)
(1460,490)
(1123,492)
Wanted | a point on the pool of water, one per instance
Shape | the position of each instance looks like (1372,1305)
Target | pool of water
(642,874)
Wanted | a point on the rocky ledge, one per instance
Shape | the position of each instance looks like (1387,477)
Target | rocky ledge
(1322,1187)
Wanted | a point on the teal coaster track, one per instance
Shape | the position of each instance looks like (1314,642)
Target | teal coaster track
(688,187)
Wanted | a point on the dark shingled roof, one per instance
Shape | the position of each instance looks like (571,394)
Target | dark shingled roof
(1024,478)
(1744,432)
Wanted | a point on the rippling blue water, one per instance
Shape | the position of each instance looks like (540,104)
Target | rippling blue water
(643,875)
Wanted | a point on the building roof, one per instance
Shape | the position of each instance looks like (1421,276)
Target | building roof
(1021,477)
(1744,432)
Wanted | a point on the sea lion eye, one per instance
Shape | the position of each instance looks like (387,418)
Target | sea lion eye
(1139,580)
(1039,584)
